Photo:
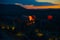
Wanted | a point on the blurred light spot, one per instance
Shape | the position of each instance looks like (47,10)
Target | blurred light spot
(3,27)
(50,17)
(31,18)
(13,28)
(40,34)
(19,34)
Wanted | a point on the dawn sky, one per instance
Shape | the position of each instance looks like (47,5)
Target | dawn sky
(26,2)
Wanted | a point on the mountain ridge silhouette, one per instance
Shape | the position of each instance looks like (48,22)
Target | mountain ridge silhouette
(18,10)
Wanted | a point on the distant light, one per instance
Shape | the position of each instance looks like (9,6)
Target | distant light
(50,17)
(19,34)
(13,28)
(3,27)
(31,18)
(40,34)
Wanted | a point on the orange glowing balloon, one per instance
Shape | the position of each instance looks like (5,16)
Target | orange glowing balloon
(30,18)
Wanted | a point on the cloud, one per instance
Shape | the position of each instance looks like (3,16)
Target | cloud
(49,1)
(38,7)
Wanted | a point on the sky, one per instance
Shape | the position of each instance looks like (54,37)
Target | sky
(25,2)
